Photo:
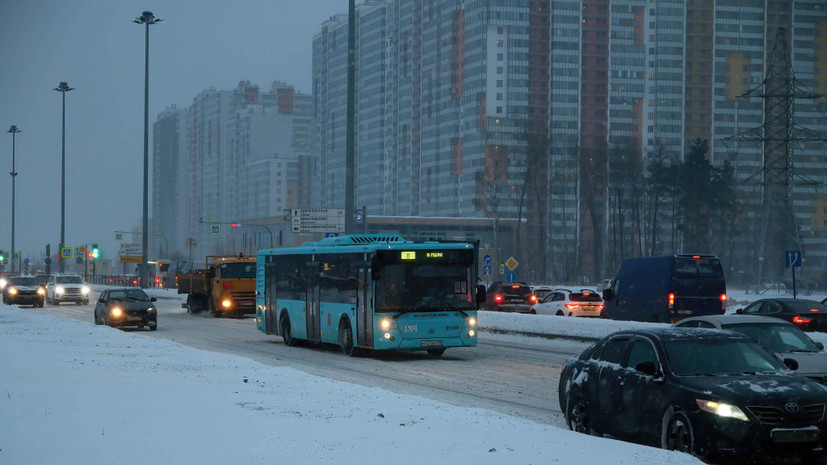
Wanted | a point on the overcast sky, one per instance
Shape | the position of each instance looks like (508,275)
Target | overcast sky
(94,46)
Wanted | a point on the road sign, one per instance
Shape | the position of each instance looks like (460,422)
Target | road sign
(130,248)
(130,259)
(26,261)
(78,251)
(215,229)
(502,268)
(511,276)
(792,258)
(118,236)
(486,269)
(331,234)
(486,259)
(318,220)
(511,263)
(66,252)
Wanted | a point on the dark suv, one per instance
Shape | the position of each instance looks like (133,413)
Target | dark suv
(508,297)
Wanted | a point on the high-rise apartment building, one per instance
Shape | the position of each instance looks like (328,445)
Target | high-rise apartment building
(232,156)
(534,109)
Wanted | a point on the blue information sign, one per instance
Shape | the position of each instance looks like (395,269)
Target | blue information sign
(331,234)
(511,276)
(486,260)
(792,259)
(486,269)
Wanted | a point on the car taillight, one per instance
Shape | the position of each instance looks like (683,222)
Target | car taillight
(600,307)
(227,285)
(572,306)
(800,320)
(671,299)
(533,298)
(515,286)
(498,298)
(723,304)
(813,309)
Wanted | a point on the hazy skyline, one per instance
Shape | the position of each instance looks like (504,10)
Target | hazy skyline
(96,49)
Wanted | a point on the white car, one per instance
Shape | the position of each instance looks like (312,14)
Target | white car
(66,288)
(568,302)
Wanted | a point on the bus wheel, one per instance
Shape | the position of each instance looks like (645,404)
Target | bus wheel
(346,338)
(285,331)
(436,352)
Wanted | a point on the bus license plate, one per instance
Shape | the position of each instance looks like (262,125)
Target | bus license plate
(431,343)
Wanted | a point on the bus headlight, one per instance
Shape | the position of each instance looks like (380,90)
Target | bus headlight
(387,335)
(385,324)
(471,333)
(84,290)
(60,290)
(472,321)
(227,303)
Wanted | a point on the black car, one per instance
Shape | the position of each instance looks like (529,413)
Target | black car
(703,391)
(809,315)
(509,297)
(126,307)
(24,290)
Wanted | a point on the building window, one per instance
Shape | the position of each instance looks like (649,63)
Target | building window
(499,57)
(499,42)
(499,82)
(499,96)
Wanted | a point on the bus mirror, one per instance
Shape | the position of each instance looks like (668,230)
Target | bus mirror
(480,293)
(608,294)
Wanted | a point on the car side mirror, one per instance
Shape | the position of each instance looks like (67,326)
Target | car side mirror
(647,368)
(820,345)
(101,301)
(739,311)
(608,294)
(480,293)
(153,299)
(792,364)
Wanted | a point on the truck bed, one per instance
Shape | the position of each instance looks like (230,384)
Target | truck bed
(194,282)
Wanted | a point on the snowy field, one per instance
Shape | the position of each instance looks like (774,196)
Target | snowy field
(75,393)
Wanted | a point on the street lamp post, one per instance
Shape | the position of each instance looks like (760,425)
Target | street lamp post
(147,19)
(13,131)
(63,88)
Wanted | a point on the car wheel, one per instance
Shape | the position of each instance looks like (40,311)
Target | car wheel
(346,338)
(560,313)
(577,418)
(436,352)
(677,432)
(284,323)
(153,327)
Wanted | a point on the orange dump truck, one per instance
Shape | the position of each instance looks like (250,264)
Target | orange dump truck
(227,287)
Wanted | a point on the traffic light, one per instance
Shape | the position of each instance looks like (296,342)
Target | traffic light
(95,252)
(2,257)
(90,255)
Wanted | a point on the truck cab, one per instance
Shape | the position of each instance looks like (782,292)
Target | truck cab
(233,286)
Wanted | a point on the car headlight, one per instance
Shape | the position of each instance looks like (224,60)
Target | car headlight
(150,310)
(84,290)
(722,410)
(3,283)
(60,290)
(116,311)
(385,324)
(41,291)
(13,291)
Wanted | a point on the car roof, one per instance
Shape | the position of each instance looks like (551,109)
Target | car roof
(788,300)
(671,333)
(125,289)
(733,319)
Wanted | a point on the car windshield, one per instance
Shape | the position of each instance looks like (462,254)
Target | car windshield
(23,281)
(69,280)
(718,356)
(776,337)
(129,294)
(238,270)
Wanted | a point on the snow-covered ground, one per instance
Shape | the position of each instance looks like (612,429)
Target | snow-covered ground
(72,393)
(75,393)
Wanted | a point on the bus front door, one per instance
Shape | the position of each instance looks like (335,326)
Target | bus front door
(364,307)
(312,311)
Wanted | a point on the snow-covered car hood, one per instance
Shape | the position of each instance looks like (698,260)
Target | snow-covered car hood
(758,389)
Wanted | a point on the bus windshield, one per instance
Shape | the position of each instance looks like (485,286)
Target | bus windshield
(424,284)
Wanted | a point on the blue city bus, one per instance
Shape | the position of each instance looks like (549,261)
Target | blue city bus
(371,292)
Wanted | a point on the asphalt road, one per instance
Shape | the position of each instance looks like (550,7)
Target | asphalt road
(503,373)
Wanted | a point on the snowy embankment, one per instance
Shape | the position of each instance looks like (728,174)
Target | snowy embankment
(75,393)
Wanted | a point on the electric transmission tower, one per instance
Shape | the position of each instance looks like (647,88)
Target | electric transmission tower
(778,229)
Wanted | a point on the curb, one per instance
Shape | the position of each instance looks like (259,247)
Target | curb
(540,335)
